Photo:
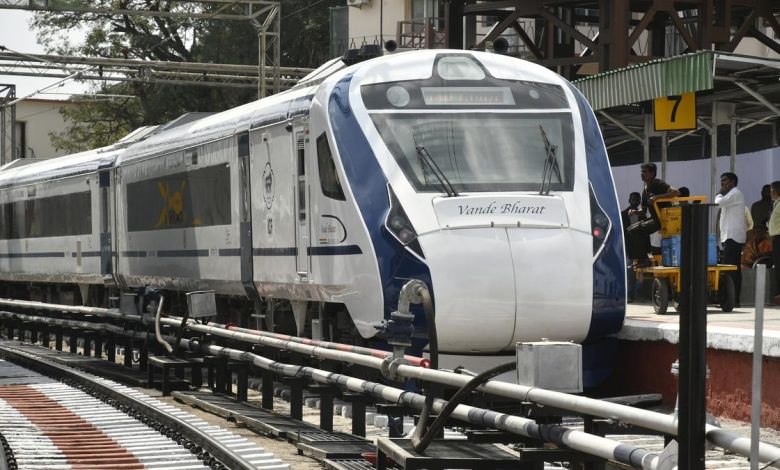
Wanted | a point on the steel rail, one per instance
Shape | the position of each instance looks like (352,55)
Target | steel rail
(577,440)
(115,314)
(84,325)
(663,423)
(414,360)
(221,452)
(4,449)
(666,424)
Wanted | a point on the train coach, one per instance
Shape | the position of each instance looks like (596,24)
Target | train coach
(481,175)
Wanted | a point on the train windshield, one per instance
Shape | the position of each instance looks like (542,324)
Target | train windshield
(480,151)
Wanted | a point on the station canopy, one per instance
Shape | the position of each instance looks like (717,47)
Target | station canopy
(744,87)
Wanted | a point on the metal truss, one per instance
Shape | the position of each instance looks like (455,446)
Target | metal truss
(265,16)
(223,9)
(610,34)
(7,142)
(174,73)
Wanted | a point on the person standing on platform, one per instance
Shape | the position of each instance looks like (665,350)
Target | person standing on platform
(640,245)
(637,246)
(774,232)
(733,226)
(761,209)
(654,189)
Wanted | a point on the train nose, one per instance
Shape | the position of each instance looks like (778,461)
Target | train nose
(553,278)
(474,287)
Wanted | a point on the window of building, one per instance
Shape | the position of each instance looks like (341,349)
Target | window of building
(21,140)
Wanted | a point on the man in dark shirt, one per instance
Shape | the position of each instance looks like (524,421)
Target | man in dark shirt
(762,209)
(654,189)
(639,245)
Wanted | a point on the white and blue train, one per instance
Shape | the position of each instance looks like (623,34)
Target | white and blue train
(484,176)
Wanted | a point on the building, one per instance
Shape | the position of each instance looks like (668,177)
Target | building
(36,121)
(421,24)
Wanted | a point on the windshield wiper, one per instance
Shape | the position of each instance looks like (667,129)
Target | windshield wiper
(550,165)
(445,183)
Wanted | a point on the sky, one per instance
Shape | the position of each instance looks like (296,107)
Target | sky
(16,35)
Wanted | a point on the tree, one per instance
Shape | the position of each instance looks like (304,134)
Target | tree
(304,43)
(309,47)
(95,124)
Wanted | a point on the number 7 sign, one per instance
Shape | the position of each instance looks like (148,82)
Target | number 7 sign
(675,112)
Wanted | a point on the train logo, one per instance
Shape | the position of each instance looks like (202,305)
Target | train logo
(268,185)
(172,212)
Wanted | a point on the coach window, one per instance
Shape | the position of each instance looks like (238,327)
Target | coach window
(329,178)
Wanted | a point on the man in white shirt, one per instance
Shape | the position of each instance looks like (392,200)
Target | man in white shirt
(774,232)
(733,226)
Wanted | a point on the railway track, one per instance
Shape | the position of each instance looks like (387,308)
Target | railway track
(716,459)
(50,424)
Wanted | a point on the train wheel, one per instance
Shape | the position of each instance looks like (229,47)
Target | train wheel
(660,295)
(726,293)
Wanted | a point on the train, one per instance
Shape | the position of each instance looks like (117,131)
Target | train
(482,175)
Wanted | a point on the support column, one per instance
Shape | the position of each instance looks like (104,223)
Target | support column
(128,352)
(664,153)
(453,23)
(111,348)
(613,33)
(714,180)
(73,341)
(733,140)
(693,336)
(58,338)
(646,139)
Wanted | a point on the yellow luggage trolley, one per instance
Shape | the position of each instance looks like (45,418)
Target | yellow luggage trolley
(666,279)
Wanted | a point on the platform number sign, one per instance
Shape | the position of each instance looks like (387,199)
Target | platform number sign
(675,112)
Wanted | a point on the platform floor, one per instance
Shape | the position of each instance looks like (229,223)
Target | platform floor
(731,331)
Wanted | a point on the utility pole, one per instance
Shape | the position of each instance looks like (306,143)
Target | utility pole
(7,95)
(269,47)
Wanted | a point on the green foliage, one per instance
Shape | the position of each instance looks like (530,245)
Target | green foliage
(306,32)
(97,123)
(304,43)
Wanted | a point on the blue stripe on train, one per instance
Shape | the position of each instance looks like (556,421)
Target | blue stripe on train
(369,187)
(609,269)
(609,281)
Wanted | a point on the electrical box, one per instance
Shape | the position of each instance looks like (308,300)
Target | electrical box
(128,304)
(201,304)
(550,365)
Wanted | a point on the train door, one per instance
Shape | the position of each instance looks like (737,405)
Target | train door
(107,224)
(245,214)
(302,234)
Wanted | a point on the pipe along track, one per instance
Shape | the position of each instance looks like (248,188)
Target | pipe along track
(213,447)
(601,447)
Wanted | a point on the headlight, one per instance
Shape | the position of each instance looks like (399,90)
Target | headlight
(399,225)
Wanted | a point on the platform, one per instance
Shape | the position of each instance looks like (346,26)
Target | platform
(648,347)
(731,331)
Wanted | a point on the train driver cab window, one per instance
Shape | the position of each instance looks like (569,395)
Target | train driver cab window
(329,178)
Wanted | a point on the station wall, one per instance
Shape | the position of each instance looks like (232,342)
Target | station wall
(754,170)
